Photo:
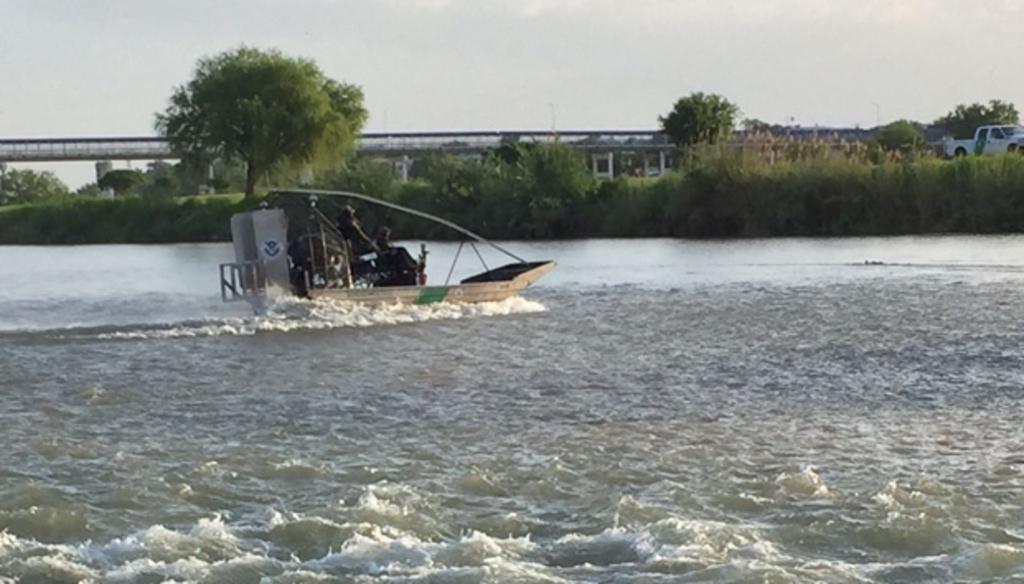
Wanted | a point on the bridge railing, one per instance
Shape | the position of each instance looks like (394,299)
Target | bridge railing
(387,144)
(58,149)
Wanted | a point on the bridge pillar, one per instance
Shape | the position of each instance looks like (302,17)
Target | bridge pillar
(102,168)
(402,168)
(603,165)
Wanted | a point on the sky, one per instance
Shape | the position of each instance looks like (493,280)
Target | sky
(74,68)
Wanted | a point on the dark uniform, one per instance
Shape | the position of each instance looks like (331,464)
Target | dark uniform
(352,231)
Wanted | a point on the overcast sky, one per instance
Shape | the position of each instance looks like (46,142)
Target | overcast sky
(73,68)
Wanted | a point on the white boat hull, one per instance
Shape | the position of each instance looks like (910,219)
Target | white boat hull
(466,292)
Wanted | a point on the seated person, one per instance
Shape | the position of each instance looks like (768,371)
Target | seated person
(396,267)
(383,240)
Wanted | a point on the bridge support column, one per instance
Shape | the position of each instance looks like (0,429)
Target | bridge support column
(402,168)
(662,162)
(102,168)
(603,165)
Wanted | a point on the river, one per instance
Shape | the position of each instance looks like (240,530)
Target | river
(653,411)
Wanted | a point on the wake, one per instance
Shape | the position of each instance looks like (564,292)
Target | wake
(290,314)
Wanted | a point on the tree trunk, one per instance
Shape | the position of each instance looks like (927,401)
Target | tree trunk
(250,180)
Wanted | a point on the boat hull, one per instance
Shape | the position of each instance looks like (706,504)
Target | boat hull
(465,292)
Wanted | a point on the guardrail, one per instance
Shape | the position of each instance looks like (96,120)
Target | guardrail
(383,143)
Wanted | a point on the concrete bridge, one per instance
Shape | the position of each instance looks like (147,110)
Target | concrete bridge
(401,147)
(647,152)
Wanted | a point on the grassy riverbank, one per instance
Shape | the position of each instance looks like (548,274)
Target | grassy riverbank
(127,220)
(548,193)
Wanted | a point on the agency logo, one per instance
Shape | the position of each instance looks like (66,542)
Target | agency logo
(271,248)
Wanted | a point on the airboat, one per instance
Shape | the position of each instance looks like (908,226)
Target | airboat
(321,262)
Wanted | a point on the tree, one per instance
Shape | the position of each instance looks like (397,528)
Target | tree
(88,190)
(161,180)
(962,121)
(755,125)
(265,110)
(28,186)
(902,136)
(699,119)
(121,181)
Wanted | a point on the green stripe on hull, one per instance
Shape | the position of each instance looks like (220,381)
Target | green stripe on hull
(432,295)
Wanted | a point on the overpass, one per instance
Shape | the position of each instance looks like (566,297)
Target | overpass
(388,144)
(398,146)
(650,148)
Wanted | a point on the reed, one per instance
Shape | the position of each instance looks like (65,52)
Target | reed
(768,187)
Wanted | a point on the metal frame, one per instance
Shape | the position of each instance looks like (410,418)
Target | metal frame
(242,281)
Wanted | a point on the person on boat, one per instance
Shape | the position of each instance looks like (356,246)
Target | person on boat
(350,228)
(383,240)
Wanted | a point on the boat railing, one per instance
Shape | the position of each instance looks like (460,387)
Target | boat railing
(241,281)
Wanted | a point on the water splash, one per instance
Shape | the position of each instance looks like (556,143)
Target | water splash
(288,315)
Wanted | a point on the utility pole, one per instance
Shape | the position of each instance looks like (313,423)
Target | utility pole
(878,114)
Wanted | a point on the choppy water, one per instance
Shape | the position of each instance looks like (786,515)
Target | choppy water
(654,411)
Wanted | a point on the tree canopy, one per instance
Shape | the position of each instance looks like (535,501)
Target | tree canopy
(121,181)
(27,186)
(264,109)
(962,121)
(699,119)
(902,136)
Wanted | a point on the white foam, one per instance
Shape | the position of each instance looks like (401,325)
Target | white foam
(806,483)
(305,315)
(895,497)
(384,552)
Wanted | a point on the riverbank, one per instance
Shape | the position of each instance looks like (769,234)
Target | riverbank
(548,194)
(127,220)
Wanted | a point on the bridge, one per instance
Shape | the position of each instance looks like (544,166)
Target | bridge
(388,144)
(399,146)
(650,149)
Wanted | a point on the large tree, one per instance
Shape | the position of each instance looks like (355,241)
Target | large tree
(264,109)
(699,119)
(962,121)
(27,186)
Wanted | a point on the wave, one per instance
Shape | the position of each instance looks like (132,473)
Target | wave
(289,315)
(351,546)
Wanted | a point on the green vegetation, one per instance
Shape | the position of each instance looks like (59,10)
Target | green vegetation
(725,192)
(28,186)
(962,121)
(121,181)
(701,119)
(901,136)
(250,115)
(546,192)
(265,110)
(133,219)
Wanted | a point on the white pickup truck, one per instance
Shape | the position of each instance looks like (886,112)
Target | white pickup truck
(988,140)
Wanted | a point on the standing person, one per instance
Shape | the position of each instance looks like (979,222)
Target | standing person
(352,231)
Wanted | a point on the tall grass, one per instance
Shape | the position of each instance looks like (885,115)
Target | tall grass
(762,190)
(128,220)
